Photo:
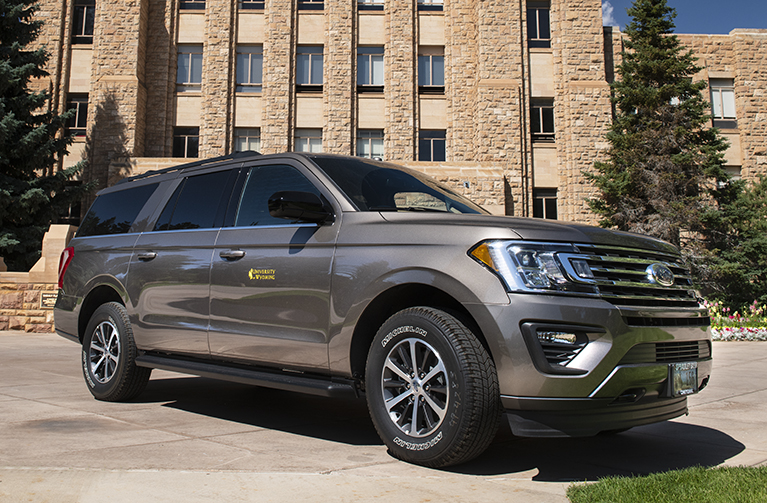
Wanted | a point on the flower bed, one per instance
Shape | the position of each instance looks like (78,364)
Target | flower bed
(734,326)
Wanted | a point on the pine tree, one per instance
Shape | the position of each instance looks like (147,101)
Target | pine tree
(665,165)
(31,141)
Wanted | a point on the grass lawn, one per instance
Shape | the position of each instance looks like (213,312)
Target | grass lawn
(693,485)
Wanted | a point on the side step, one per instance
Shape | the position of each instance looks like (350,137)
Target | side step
(278,380)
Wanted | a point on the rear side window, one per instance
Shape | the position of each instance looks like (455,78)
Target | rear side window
(197,202)
(262,183)
(115,212)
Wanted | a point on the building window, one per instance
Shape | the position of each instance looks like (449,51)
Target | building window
(309,68)
(250,61)
(246,139)
(82,24)
(189,75)
(186,141)
(192,5)
(431,145)
(542,119)
(370,69)
(430,4)
(370,4)
(77,125)
(538,24)
(370,143)
(545,203)
(431,70)
(723,103)
(252,4)
(308,140)
(311,4)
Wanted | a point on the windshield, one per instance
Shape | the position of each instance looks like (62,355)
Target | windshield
(379,186)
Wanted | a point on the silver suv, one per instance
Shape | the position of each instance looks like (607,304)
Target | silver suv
(342,276)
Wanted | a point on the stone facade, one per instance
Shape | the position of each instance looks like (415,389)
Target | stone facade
(21,307)
(492,77)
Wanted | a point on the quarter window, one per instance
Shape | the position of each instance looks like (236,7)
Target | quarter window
(82,25)
(186,141)
(431,145)
(250,61)
(189,74)
(114,213)
(538,24)
(723,103)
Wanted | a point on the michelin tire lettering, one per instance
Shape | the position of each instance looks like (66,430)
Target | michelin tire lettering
(401,330)
(413,446)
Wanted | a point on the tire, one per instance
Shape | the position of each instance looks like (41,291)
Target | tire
(109,356)
(447,410)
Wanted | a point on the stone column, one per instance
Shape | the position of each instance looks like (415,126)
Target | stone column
(117,105)
(161,74)
(582,104)
(338,80)
(278,87)
(501,110)
(401,79)
(217,79)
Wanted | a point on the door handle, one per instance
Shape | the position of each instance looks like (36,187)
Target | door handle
(232,254)
(147,256)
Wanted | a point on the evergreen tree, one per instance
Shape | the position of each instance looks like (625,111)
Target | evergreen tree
(31,141)
(665,164)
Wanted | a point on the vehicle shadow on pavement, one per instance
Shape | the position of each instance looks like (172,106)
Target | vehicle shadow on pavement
(643,450)
(640,451)
(338,420)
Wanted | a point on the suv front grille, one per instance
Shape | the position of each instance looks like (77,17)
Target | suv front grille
(668,352)
(621,277)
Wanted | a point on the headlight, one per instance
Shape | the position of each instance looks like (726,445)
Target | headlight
(537,267)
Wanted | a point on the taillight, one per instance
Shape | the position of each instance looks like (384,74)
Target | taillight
(66,258)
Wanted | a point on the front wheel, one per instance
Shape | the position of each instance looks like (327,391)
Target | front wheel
(108,356)
(432,389)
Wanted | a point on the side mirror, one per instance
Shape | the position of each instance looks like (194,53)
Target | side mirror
(304,206)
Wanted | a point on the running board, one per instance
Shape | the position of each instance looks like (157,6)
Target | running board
(289,382)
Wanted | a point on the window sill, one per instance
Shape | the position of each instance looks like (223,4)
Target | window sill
(370,89)
(257,94)
(370,9)
(431,90)
(308,89)
(541,50)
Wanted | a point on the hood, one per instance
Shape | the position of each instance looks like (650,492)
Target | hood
(536,229)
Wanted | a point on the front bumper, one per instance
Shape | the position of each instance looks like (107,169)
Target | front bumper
(617,380)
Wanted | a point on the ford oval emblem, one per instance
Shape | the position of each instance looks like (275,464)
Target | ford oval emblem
(660,274)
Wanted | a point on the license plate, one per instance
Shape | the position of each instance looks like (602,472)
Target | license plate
(683,378)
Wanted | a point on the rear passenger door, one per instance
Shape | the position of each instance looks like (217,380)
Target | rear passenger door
(169,280)
(270,279)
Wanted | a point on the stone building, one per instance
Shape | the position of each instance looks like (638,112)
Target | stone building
(507,101)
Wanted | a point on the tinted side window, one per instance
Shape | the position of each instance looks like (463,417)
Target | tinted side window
(115,212)
(262,183)
(195,203)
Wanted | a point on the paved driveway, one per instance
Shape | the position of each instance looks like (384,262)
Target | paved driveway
(192,439)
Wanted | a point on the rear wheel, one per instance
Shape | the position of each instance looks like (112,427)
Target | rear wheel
(432,389)
(109,354)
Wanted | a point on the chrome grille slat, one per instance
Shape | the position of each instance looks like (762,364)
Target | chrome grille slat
(620,276)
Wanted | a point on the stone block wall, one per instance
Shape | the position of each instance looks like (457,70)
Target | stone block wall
(21,307)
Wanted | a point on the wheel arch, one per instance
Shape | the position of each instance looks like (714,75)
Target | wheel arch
(395,299)
(96,297)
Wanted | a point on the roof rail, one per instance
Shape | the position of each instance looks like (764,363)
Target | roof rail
(195,164)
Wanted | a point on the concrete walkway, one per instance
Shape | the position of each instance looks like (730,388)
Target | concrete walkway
(190,439)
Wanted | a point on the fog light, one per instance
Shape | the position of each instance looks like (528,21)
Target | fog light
(557,338)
